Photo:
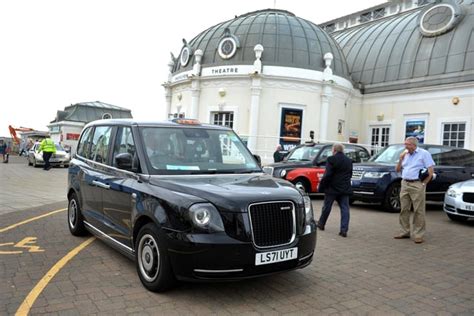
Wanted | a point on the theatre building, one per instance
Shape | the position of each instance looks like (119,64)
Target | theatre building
(374,77)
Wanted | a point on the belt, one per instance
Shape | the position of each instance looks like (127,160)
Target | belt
(411,180)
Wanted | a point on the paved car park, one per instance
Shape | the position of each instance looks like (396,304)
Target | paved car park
(367,273)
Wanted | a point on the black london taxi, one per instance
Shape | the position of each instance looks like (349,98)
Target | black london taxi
(186,201)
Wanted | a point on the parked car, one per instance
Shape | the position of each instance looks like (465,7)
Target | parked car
(60,158)
(459,201)
(186,201)
(378,182)
(305,164)
(306,179)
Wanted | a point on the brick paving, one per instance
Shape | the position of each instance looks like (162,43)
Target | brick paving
(368,273)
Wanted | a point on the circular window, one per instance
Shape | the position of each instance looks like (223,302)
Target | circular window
(438,19)
(106,116)
(227,47)
(184,59)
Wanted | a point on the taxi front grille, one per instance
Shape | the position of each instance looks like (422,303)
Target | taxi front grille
(273,223)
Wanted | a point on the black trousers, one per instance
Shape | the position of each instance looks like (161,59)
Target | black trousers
(46,157)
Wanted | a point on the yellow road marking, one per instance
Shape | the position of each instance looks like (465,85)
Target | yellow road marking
(2,230)
(27,243)
(9,252)
(39,287)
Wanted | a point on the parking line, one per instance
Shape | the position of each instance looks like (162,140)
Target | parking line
(30,220)
(28,302)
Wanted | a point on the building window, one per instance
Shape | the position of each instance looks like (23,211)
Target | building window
(379,13)
(330,28)
(380,138)
(54,129)
(223,118)
(340,127)
(365,17)
(454,134)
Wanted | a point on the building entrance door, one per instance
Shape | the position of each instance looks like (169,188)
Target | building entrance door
(380,137)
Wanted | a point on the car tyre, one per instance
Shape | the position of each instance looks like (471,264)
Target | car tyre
(35,165)
(391,200)
(457,218)
(302,184)
(74,217)
(29,162)
(152,259)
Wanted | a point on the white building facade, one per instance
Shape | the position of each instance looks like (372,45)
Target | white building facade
(274,77)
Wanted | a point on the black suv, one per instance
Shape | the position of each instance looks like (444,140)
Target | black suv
(187,201)
(311,154)
(378,182)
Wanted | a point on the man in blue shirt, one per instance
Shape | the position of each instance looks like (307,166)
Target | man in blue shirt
(413,190)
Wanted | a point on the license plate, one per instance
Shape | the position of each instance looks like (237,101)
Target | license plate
(469,207)
(276,256)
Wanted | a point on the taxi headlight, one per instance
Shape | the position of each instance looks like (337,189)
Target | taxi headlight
(308,209)
(206,218)
(375,175)
(283,173)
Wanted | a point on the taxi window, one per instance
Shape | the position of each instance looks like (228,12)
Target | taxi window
(100,144)
(196,150)
(84,144)
(124,143)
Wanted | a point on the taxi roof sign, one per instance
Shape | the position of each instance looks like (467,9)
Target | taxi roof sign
(185,121)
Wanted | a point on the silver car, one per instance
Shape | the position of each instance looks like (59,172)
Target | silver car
(60,158)
(459,201)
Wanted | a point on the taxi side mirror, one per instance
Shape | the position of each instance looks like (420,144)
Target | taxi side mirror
(124,161)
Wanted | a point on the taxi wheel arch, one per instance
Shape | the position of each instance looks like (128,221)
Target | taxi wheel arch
(75,219)
(152,259)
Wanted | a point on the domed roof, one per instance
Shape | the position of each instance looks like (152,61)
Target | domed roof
(287,40)
(428,46)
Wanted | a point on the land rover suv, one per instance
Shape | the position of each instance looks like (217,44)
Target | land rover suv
(186,201)
(378,182)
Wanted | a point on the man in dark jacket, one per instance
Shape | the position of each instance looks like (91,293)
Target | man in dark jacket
(336,185)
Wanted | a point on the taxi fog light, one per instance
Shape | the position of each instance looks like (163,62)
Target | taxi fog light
(375,175)
(206,217)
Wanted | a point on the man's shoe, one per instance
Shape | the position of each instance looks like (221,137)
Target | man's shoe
(320,226)
(343,234)
(418,240)
(402,236)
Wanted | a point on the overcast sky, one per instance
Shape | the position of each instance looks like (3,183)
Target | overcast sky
(56,53)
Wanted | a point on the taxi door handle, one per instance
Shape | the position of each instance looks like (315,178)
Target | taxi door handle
(101,184)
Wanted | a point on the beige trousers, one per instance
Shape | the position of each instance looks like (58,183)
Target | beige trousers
(413,193)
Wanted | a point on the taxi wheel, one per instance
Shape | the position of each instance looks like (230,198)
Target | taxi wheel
(457,218)
(29,162)
(74,217)
(152,260)
(303,185)
(391,201)
(35,165)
